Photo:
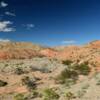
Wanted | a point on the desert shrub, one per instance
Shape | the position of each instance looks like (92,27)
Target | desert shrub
(67,74)
(69,82)
(86,62)
(3,83)
(32,95)
(98,82)
(30,83)
(19,71)
(50,94)
(69,96)
(67,62)
(19,97)
(82,69)
(6,65)
(35,94)
(81,93)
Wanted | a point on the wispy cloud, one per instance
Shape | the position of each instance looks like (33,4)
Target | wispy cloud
(3,4)
(4,40)
(68,42)
(29,26)
(5,26)
(9,13)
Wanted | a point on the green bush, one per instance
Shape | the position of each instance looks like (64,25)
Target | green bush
(67,62)
(82,69)
(35,94)
(98,82)
(66,75)
(70,74)
(50,94)
(3,83)
(19,97)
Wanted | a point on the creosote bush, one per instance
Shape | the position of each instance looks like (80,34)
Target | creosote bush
(50,94)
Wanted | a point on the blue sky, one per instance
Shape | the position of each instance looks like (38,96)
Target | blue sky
(50,22)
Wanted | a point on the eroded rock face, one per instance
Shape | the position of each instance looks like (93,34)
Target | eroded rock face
(23,50)
(49,52)
(3,55)
(18,54)
(18,50)
(94,44)
(89,51)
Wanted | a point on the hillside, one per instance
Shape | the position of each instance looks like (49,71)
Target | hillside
(18,50)
(34,72)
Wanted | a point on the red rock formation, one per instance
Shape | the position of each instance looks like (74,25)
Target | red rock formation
(48,52)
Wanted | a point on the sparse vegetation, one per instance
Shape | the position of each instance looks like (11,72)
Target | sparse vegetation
(30,83)
(82,69)
(69,96)
(19,71)
(98,82)
(70,75)
(66,75)
(81,93)
(3,83)
(34,94)
(67,62)
(19,97)
(31,76)
(50,94)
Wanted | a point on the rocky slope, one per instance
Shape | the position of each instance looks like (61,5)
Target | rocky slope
(65,73)
(18,50)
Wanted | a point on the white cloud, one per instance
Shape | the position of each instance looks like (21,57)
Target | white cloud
(5,26)
(29,26)
(3,4)
(10,13)
(4,40)
(68,41)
